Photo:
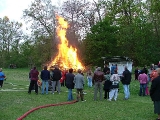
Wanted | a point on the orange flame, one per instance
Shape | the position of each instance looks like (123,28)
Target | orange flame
(67,56)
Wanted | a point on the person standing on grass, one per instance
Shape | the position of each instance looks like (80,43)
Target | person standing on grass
(149,73)
(143,80)
(89,77)
(2,77)
(34,78)
(149,79)
(63,78)
(69,83)
(145,69)
(45,76)
(98,78)
(106,68)
(79,85)
(126,79)
(136,73)
(155,94)
(107,84)
(113,67)
(115,79)
(56,76)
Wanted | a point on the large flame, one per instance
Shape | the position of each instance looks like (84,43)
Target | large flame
(67,55)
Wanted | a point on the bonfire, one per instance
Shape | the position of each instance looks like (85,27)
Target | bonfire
(67,55)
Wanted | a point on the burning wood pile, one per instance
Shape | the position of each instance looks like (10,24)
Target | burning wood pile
(67,55)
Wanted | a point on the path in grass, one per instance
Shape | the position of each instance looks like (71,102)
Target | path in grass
(15,87)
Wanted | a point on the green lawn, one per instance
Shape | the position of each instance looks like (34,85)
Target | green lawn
(14,104)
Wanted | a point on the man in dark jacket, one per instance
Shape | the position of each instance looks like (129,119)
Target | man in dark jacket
(155,94)
(69,83)
(45,76)
(34,78)
(98,77)
(126,79)
(106,68)
(56,76)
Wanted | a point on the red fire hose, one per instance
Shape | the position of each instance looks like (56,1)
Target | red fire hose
(49,105)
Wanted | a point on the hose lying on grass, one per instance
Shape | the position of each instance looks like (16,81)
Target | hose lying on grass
(49,105)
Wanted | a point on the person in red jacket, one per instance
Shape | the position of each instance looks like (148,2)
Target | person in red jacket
(63,78)
(34,78)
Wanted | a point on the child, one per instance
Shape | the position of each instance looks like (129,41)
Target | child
(39,83)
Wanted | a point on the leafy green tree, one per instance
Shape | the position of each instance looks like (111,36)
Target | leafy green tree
(42,16)
(134,27)
(100,42)
(10,36)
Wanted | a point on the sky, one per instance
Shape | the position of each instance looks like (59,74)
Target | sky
(13,9)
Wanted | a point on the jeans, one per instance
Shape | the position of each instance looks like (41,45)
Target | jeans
(70,96)
(98,87)
(142,89)
(126,91)
(113,93)
(89,81)
(43,86)
(54,84)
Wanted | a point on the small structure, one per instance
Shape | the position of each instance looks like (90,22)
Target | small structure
(120,61)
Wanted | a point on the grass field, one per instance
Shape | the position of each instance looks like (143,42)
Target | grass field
(15,101)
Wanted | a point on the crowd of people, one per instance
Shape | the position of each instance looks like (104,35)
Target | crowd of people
(106,80)
(58,79)
(145,76)
(101,79)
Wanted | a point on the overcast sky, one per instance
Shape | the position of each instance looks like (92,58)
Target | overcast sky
(14,8)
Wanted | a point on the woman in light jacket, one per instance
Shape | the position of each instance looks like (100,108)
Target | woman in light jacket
(115,79)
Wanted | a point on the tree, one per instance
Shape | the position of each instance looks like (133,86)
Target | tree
(132,18)
(10,36)
(77,13)
(41,15)
(102,41)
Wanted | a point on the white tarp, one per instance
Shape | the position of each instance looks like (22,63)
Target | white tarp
(121,65)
